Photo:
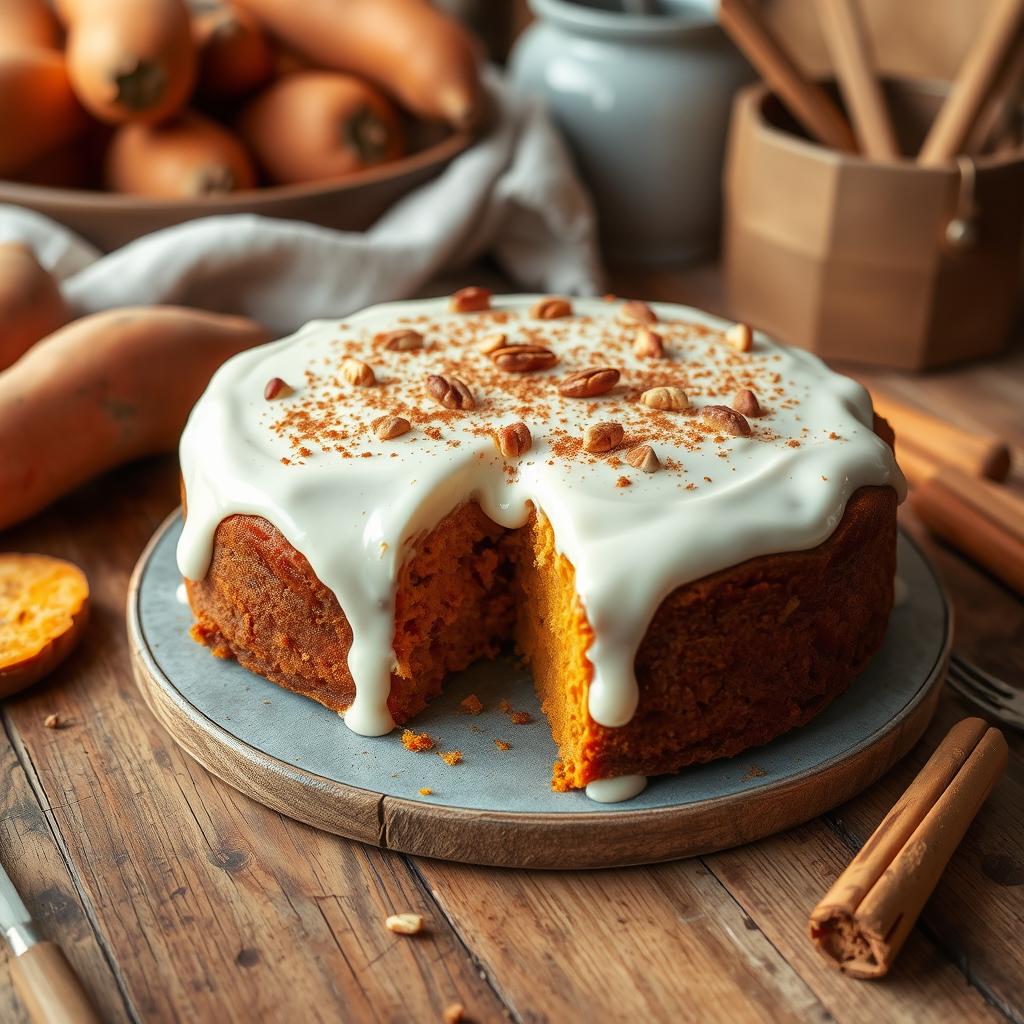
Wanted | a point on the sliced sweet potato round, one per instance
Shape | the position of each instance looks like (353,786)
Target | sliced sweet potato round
(44,605)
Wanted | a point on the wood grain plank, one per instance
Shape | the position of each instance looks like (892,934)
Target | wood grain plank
(34,862)
(657,943)
(213,906)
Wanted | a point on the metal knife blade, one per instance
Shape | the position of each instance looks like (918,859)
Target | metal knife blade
(15,921)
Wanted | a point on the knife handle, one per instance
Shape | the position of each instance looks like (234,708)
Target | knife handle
(49,989)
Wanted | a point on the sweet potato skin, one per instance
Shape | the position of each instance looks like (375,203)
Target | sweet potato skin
(235,56)
(426,60)
(317,125)
(130,60)
(183,158)
(31,304)
(38,110)
(102,391)
(28,24)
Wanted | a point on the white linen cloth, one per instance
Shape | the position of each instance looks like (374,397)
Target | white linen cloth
(514,195)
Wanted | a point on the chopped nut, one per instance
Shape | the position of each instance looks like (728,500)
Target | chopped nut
(666,399)
(551,309)
(636,312)
(648,344)
(387,428)
(597,380)
(454,1014)
(450,392)
(491,343)
(276,388)
(523,358)
(603,437)
(470,300)
(746,403)
(513,440)
(721,417)
(402,340)
(405,924)
(52,721)
(356,372)
(740,337)
(643,457)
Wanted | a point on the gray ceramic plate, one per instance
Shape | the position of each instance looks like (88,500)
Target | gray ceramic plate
(252,733)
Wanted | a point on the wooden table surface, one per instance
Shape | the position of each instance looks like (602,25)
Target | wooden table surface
(176,898)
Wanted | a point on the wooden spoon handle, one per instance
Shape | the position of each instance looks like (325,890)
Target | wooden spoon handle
(806,100)
(48,987)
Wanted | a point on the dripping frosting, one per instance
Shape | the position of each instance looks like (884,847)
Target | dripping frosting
(309,461)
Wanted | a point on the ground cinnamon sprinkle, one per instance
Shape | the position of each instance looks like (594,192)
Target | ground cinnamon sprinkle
(418,742)
(471,705)
(450,757)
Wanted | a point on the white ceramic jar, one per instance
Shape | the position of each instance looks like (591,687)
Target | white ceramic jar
(643,101)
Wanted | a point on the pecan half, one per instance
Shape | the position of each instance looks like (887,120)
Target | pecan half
(603,437)
(356,372)
(450,392)
(647,344)
(740,337)
(598,380)
(491,343)
(513,440)
(643,457)
(746,403)
(666,399)
(387,428)
(276,388)
(636,312)
(523,358)
(470,300)
(551,309)
(402,340)
(721,417)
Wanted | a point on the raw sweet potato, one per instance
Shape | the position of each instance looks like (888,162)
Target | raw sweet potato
(130,60)
(312,125)
(44,606)
(186,157)
(38,110)
(31,305)
(423,58)
(235,55)
(102,391)
(28,24)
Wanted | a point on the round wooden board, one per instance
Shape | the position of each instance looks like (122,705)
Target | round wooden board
(496,808)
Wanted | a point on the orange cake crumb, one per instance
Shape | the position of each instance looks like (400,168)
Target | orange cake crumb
(417,742)
(502,745)
(426,791)
(450,757)
(471,705)
(520,718)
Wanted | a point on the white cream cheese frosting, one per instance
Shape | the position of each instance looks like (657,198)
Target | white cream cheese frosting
(309,461)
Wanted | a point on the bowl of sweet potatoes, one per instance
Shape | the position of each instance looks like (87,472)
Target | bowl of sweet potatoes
(120,117)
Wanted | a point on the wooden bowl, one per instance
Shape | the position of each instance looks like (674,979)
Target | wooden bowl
(110,220)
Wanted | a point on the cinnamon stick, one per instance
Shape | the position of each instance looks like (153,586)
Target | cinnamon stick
(805,100)
(864,919)
(975,452)
(984,521)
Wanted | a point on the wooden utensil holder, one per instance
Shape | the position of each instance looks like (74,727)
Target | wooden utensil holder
(851,259)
